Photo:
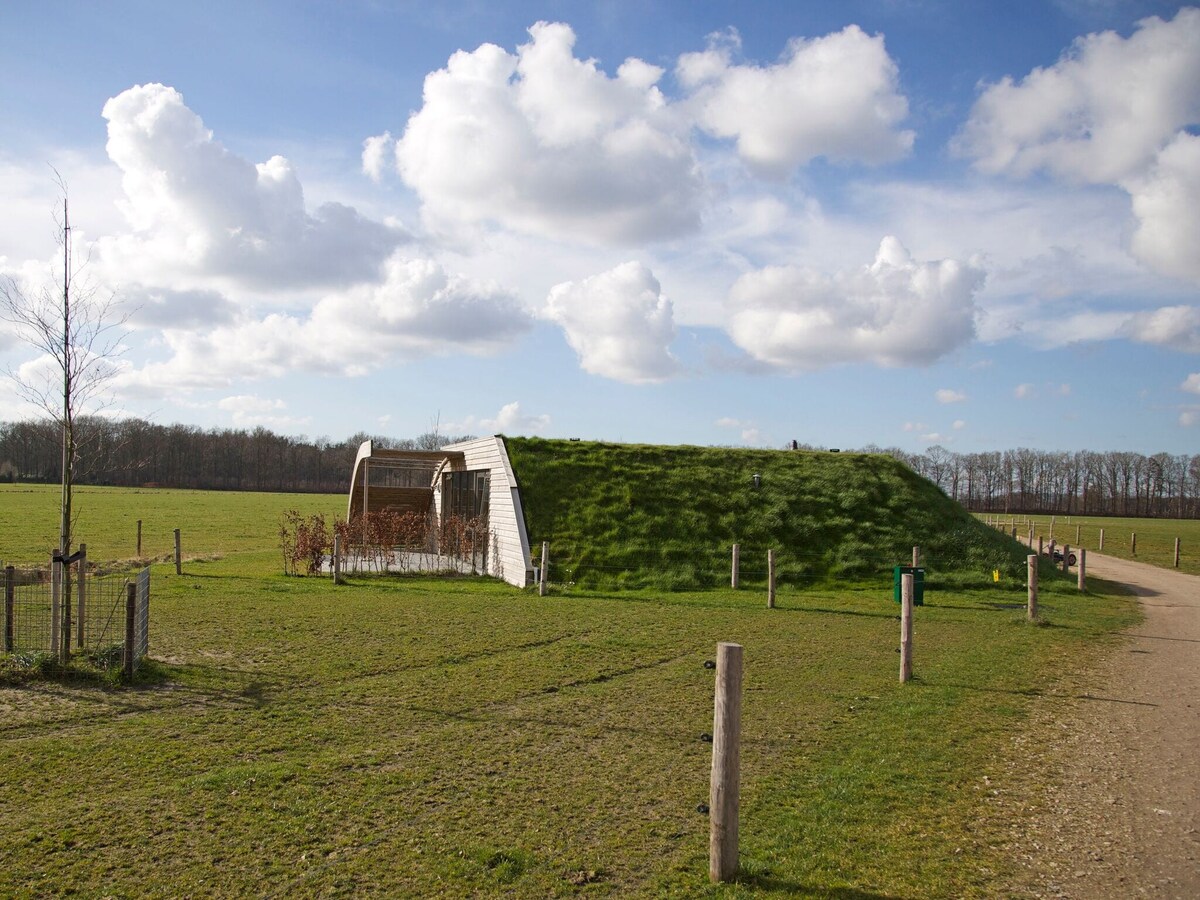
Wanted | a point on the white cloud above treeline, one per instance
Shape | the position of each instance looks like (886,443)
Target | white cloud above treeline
(836,97)
(619,323)
(201,216)
(894,312)
(1111,111)
(546,143)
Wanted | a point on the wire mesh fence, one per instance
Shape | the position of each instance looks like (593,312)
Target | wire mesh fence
(47,613)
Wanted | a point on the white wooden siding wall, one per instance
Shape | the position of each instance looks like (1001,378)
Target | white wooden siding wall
(505,516)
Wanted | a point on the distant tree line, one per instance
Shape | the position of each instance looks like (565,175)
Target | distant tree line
(133,452)
(1085,482)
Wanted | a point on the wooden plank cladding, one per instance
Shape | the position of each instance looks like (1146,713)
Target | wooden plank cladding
(412,481)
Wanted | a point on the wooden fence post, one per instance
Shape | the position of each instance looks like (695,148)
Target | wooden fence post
(724,782)
(10,596)
(1040,546)
(336,562)
(770,579)
(906,629)
(1082,583)
(1133,543)
(737,564)
(139,539)
(178,556)
(130,633)
(1077,527)
(1101,547)
(1177,553)
(545,566)
(81,597)
(1032,563)
(916,556)
(1066,558)
(55,600)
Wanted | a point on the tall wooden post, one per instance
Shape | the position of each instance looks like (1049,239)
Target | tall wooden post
(545,566)
(1177,553)
(1133,543)
(1077,527)
(1041,547)
(1082,583)
(916,556)
(770,579)
(55,600)
(1052,528)
(724,784)
(10,596)
(906,629)
(139,539)
(1032,563)
(1066,558)
(178,556)
(1014,532)
(1101,547)
(737,565)
(336,562)
(130,629)
(81,597)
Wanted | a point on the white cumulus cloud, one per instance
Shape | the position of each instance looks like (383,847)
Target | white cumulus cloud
(376,154)
(835,96)
(1191,383)
(1166,202)
(1177,327)
(894,312)
(1024,391)
(199,212)
(509,420)
(1101,113)
(1112,111)
(417,310)
(948,395)
(619,322)
(547,143)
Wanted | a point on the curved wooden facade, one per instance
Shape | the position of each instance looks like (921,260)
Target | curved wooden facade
(414,480)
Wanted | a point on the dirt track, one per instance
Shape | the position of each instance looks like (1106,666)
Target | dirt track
(1123,814)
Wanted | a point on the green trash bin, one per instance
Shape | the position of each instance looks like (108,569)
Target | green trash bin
(918,575)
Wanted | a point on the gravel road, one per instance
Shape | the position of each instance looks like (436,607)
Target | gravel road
(1123,810)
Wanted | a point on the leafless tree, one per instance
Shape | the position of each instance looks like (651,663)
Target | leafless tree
(78,330)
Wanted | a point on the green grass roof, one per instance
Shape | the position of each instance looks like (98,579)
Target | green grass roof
(642,515)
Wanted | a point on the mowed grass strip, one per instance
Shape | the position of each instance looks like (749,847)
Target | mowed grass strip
(1155,537)
(418,737)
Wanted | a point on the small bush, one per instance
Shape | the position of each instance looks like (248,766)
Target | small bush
(304,541)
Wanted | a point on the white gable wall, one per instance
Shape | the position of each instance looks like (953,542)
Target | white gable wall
(511,561)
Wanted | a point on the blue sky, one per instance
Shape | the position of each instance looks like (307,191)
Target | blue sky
(893,223)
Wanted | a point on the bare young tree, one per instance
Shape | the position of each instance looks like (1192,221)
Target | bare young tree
(78,330)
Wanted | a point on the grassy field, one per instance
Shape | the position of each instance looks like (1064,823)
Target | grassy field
(413,737)
(1155,537)
(211,522)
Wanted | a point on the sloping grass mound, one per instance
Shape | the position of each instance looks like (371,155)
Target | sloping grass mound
(639,515)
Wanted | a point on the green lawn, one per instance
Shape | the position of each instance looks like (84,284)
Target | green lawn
(1155,537)
(419,737)
(211,522)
